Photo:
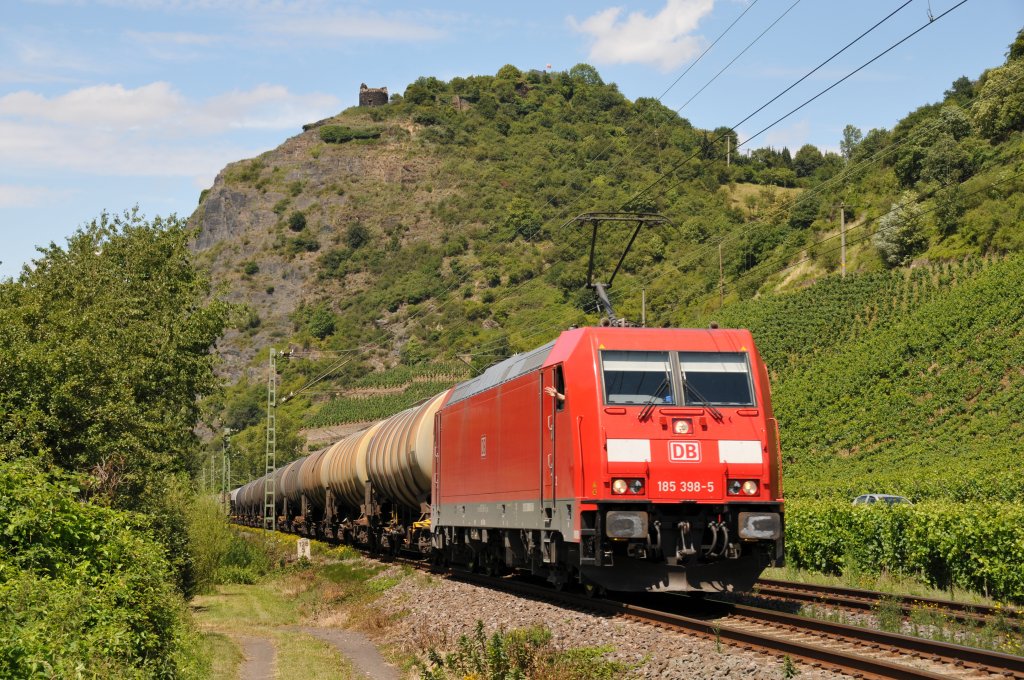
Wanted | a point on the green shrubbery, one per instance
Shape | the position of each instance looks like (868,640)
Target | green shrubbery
(83,588)
(517,655)
(338,134)
(226,554)
(942,543)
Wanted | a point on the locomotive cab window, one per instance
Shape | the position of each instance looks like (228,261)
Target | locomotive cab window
(636,377)
(716,378)
(559,384)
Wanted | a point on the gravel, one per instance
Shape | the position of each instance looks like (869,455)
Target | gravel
(438,611)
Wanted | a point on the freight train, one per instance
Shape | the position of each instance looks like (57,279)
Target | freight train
(625,459)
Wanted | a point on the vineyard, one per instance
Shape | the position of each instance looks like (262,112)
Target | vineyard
(944,544)
(905,382)
(356,409)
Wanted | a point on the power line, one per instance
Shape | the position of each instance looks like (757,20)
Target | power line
(852,169)
(676,166)
(790,265)
(804,77)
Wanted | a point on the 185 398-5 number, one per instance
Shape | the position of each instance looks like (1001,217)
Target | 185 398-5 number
(687,486)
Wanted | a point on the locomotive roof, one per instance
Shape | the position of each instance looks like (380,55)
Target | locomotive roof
(520,364)
(503,371)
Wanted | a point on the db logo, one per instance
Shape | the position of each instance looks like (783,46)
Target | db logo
(684,452)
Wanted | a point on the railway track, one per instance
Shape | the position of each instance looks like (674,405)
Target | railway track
(1008,618)
(853,650)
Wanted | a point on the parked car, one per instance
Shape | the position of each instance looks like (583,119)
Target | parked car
(889,499)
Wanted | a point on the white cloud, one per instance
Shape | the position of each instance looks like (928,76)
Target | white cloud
(665,39)
(99,105)
(20,196)
(152,130)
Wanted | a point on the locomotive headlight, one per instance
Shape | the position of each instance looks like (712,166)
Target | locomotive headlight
(682,425)
(636,486)
(619,486)
(746,487)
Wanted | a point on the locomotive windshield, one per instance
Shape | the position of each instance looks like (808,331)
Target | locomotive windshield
(637,377)
(716,378)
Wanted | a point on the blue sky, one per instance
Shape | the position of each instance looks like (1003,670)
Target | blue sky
(107,104)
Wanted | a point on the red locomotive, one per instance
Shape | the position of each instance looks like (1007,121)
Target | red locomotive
(659,469)
(622,458)
(654,467)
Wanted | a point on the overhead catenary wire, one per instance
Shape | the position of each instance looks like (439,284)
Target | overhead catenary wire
(519,286)
(776,97)
(678,165)
(854,168)
(607,148)
(756,269)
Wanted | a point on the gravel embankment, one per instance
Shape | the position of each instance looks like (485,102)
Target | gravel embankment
(438,611)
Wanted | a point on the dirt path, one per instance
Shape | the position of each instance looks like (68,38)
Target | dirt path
(259,658)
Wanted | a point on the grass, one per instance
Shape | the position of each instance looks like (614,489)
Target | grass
(225,655)
(923,621)
(291,594)
(303,656)
(883,583)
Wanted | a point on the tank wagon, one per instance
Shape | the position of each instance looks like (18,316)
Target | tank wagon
(654,466)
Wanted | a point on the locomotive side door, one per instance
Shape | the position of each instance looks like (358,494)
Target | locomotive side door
(550,406)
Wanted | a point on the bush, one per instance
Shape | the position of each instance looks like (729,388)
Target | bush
(86,589)
(321,323)
(356,235)
(250,268)
(300,244)
(944,544)
(297,221)
(521,653)
(339,134)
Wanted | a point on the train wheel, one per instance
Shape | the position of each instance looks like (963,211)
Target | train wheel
(591,589)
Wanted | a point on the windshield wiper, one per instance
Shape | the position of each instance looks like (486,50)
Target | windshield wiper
(715,413)
(648,408)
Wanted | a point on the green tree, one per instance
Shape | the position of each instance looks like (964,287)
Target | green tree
(808,159)
(297,221)
(321,322)
(106,347)
(900,233)
(1000,106)
(851,138)
(804,212)
(357,235)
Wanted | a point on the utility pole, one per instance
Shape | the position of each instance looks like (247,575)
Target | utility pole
(842,239)
(643,308)
(721,276)
(728,150)
(225,472)
(269,504)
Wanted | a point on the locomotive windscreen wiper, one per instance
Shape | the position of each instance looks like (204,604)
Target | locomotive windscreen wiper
(648,408)
(688,387)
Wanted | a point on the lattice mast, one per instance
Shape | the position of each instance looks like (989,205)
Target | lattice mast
(269,513)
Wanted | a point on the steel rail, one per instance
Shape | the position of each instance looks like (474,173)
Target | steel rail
(718,629)
(865,599)
(1006,664)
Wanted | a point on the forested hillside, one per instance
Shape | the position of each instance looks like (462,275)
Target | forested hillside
(468,185)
